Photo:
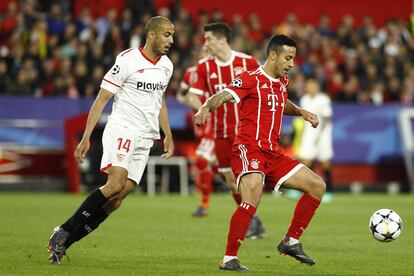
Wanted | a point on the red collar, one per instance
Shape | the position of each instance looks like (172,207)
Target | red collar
(147,58)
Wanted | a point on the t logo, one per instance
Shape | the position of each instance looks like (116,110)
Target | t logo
(272,102)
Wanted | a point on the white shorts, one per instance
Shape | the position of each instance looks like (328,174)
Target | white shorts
(205,149)
(321,150)
(123,148)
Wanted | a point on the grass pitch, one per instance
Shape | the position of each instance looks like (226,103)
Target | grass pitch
(157,236)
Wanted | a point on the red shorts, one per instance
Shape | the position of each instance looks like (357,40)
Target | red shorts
(223,153)
(275,166)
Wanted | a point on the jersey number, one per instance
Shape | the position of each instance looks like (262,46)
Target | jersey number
(124,145)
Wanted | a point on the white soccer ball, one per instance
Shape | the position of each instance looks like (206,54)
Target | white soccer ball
(385,225)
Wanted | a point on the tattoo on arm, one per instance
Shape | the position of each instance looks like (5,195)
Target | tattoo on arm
(217,100)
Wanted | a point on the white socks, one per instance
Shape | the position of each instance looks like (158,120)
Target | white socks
(292,241)
(228,258)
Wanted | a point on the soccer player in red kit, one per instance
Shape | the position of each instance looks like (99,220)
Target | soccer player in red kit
(205,155)
(215,73)
(257,159)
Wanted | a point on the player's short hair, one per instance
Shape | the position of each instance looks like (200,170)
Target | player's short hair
(277,41)
(155,22)
(219,29)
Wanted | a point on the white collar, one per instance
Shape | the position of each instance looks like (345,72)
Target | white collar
(226,63)
(267,76)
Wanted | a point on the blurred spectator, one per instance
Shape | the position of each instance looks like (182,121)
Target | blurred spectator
(55,20)
(46,50)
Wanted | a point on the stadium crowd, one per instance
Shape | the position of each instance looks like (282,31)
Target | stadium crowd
(47,51)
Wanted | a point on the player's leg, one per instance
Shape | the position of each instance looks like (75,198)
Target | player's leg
(251,187)
(313,189)
(116,182)
(101,215)
(308,163)
(204,183)
(256,229)
(326,167)
(117,142)
(325,154)
(91,207)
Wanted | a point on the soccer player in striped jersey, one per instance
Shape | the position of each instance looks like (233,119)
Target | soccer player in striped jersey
(205,154)
(257,159)
(215,73)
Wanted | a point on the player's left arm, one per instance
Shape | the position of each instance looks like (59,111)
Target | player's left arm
(292,109)
(165,126)
(210,105)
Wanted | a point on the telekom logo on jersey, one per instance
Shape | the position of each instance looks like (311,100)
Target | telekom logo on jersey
(272,102)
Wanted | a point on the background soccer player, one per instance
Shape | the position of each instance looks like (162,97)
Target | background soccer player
(137,81)
(205,154)
(214,73)
(257,159)
(316,144)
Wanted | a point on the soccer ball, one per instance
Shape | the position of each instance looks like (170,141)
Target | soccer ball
(385,225)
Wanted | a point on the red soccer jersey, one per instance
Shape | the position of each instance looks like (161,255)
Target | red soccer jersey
(213,77)
(262,101)
(190,77)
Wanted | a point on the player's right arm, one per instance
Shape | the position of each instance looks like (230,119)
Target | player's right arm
(237,90)
(110,85)
(210,105)
(94,114)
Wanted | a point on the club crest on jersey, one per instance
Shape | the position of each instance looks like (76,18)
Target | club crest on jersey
(237,70)
(254,164)
(283,87)
(237,82)
(120,157)
(115,69)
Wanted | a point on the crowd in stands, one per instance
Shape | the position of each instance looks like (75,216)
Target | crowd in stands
(47,51)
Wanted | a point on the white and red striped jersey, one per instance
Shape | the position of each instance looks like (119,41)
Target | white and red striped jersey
(262,101)
(139,85)
(213,77)
(190,77)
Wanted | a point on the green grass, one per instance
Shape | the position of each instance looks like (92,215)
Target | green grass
(157,236)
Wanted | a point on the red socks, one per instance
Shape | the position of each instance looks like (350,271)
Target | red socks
(204,181)
(304,211)
(206,186)
(238,227)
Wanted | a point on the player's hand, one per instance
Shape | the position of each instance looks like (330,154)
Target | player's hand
(168,147)
(310,117)
(81,150)
(201,117)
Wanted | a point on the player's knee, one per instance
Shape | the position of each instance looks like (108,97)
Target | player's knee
(114,186)
(318,187)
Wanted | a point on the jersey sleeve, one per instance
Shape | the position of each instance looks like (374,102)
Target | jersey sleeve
(200,83)
(116,76)
(240,87)
(185,82)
